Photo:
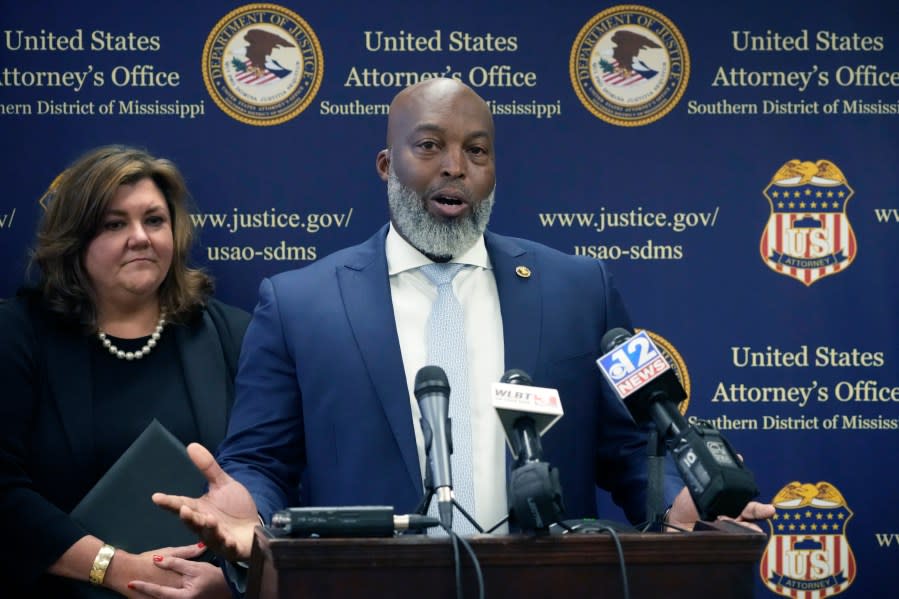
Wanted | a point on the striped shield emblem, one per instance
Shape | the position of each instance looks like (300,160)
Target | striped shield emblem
(808,235)
(808,555)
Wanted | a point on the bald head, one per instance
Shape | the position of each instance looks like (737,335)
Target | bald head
(439,166)
(442,96)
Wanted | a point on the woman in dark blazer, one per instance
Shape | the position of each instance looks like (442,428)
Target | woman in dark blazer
(117,332)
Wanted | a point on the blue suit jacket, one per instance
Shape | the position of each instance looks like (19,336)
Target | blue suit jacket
(322,396)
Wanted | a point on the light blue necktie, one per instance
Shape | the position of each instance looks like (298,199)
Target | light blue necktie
(446,349)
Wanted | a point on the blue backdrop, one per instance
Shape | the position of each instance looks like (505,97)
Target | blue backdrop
(736,165)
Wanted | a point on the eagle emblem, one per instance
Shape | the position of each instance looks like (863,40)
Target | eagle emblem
(257,66)
(629,65)
(808,554)
(625,67)
(808,235)
(262,64)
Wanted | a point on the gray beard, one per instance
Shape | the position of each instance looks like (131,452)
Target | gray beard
(428,234)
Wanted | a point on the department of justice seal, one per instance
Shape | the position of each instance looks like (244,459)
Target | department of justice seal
(262,64)
(629,65)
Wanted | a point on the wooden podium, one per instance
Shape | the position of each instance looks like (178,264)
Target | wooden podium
(697,564)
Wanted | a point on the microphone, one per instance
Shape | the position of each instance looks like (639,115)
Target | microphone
(535,493)
(643,379)
(357,521)
(432,392)
(631,381)
(526,413)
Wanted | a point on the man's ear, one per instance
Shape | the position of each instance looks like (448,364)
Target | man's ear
(382,164)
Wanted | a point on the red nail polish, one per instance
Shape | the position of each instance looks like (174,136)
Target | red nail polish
(131,585)
(157,558)
(201,545)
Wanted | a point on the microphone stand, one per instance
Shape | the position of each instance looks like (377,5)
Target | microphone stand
(468,516)
(426,499)
(656,451)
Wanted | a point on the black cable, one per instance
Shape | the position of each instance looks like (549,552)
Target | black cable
(474,560)
(614,535)
(477,566)
(457,565)
(644,526)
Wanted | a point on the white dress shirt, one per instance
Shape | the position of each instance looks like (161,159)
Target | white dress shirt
(475,288)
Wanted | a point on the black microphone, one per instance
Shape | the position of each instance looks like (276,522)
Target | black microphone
(352,521)
(644,380)
(522,436)
(641,396)
(535,492)
(432,391)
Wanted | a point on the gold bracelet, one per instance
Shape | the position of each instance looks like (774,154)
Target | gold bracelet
(101,563)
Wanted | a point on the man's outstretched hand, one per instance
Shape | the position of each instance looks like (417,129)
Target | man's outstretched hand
(224,518)
(683,514)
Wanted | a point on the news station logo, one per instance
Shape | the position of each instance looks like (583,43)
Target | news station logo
(808,554)
(640,359)
(262,64)
(542,404)
(808,235)
(629,65)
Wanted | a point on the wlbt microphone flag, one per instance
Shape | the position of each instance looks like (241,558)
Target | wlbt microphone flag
(526,412)
(515,396)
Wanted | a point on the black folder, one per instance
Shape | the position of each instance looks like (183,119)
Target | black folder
(118,509)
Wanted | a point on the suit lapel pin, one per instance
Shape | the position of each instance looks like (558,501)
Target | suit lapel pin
(523,271)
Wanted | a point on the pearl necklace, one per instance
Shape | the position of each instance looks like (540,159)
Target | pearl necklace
(134,355)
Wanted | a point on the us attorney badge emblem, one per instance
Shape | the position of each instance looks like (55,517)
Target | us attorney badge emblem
(629,65)
(808,554)
(808,235)
(262,64)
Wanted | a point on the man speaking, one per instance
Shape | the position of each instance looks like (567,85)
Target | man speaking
(325,412)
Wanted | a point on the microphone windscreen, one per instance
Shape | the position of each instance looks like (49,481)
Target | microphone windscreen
(516,376)
(613,338)
(431,379)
